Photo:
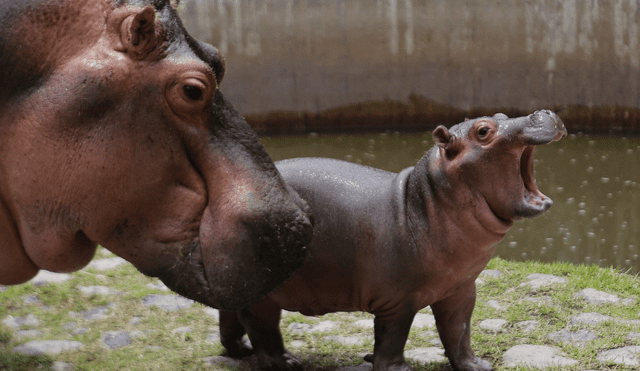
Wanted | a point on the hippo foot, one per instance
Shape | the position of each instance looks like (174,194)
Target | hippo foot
(392,367)
(239,349)
(284,362)
(476,364)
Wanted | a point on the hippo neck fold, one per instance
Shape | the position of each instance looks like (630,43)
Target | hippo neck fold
(435,213)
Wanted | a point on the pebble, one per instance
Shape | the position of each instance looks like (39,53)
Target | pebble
(102,265)
(16,322)
(580,337)
(528,326)
(96,290)
(493,325)
(213,313)
(597,297)
(116,339)
(538,356)
(366,323)
(49,347)
(538,280)
(45,277)
(590,318)
(345,340)
(491,273)
(323,326)
(182,330)
(626,356)
(171,303)
(28,333)
(31,299)
(425,355)
(422,320)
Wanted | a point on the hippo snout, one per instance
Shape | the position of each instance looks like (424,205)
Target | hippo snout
(542,127)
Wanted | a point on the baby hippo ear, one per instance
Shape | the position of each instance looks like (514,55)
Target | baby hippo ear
(138,32)
(441,136)
(445,140)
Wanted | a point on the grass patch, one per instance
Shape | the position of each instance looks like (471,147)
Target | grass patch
(158,347)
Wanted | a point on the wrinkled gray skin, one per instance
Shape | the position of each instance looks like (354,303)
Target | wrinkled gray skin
(391,244)
(113,131)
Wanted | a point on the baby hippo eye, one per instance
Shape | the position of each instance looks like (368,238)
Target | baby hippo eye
(483,132)
(192,92)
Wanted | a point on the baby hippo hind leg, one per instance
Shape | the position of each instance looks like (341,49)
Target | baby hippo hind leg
(391,332)
(231,335)
(453,319)
(262,322)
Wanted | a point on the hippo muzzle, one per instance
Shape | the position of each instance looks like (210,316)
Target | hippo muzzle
(540,127)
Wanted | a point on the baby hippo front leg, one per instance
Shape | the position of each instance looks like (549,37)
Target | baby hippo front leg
(453,318)
(391,332)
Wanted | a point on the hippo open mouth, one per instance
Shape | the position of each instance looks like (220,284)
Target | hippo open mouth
(534,201)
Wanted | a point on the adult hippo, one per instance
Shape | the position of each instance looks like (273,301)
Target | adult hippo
(391,244)
(113,131)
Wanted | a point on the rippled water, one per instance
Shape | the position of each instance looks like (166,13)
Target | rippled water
(594,182)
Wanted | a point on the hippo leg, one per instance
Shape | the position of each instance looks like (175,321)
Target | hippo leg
(391,332)
(231,335)
(262,322)
(453,317)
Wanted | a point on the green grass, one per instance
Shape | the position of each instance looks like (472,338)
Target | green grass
(181,351)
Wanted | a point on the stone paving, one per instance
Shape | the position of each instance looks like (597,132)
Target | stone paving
(529,355)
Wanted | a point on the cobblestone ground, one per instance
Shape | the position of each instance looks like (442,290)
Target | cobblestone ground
(31,329)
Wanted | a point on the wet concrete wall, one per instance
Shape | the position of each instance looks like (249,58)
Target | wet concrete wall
(396,64)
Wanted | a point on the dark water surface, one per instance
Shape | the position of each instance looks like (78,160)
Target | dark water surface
(594,182)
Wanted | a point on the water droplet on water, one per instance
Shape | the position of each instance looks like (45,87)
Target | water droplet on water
(627,262)
(590,169)
(629,151)
(348,157)
(560,151)
(592,143)
(513,244)
(581,212)
(524,255)
(581,205)
(570,200)
(609,195)
(604,180)
(591,234)
(572,161)
(603,158)
(594,220)
(560,189)
(548,240)
(573,248)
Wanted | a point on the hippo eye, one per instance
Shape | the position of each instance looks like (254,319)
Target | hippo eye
(483,131)
(192,92)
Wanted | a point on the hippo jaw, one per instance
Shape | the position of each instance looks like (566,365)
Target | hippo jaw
(541,127)
(534,201)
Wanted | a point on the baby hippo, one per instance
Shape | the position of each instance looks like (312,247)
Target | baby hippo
(391,244)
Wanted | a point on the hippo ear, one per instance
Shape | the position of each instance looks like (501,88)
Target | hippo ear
(445,140)
(138,32)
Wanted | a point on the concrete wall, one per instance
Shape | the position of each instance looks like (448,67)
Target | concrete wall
(306,63)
